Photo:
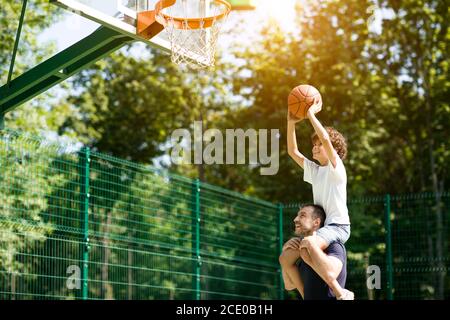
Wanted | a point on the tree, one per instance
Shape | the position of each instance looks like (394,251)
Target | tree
(413,59)
(127,107)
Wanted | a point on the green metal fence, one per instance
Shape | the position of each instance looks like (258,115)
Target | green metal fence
(405,236)
(76,224)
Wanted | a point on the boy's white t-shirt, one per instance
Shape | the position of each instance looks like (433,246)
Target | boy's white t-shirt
(329,189)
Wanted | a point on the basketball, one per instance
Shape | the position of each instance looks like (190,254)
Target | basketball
(301,98)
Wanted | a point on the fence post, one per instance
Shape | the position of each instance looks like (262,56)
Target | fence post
(280,246)
(389,269)
(196,238)
(85,161)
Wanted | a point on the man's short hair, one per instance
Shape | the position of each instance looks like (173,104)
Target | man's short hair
(317,212)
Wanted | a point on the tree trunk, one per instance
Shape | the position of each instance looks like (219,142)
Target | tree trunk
(424,74)
(437,205)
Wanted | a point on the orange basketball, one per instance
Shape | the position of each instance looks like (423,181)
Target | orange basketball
(301,98)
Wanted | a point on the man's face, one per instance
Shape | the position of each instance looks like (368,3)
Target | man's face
(305,223)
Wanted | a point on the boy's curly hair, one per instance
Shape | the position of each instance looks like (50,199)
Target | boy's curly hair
(337,140)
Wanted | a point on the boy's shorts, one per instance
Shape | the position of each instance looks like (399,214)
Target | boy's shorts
(334,232)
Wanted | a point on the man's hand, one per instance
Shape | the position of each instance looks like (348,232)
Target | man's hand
(293,244)
(307,241)
(291,118)
(315,107)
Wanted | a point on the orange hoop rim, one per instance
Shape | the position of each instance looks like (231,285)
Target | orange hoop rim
(192,23)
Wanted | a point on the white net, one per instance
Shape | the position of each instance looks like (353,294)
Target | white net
(193,43)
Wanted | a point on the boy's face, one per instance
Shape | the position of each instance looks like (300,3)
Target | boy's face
(319,153)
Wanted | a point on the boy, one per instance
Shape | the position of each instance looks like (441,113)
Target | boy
(329,182)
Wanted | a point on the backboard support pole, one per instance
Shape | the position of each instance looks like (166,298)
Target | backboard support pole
(16,43)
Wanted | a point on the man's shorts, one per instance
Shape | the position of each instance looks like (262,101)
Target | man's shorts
(334,232)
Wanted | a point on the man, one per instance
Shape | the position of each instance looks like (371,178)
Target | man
(309,219)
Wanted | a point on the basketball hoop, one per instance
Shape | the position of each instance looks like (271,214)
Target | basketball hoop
(193,27)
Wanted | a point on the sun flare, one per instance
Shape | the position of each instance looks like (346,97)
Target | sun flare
(282,11)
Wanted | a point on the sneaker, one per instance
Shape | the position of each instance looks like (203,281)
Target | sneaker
(347,295)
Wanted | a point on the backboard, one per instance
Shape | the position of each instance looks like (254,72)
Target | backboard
(120,15)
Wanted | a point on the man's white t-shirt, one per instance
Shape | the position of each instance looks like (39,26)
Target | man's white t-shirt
(329,189)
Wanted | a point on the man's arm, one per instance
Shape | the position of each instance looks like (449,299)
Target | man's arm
(288,285)
(292,244)
(292,141)
(321,132)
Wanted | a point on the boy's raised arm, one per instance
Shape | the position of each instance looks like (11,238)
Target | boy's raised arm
(321,132)
(292,141)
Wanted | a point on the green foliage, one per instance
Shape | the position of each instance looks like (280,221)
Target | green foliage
(26,180)
(128,107)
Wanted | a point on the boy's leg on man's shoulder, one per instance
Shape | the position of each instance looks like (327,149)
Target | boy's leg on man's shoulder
(304,254)
(330,266)
(324,265)
(332,233)
(327,267)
